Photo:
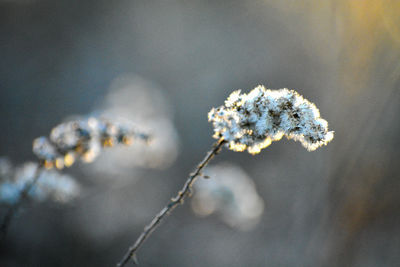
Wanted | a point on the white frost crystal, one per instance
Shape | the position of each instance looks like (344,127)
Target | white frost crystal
(252,121)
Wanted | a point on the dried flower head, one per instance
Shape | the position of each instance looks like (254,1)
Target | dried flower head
(252,121)
(82,139)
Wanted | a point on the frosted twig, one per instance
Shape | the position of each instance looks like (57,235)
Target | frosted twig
(15,207)
(178,199)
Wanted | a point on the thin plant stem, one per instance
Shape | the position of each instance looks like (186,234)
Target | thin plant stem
(23,195)
(178,199)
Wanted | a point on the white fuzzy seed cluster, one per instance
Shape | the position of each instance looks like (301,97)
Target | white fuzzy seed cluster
(252,121)
(82,139)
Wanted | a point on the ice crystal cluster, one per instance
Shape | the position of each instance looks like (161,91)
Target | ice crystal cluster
(82,139)
(231,194)
(50,185)
(252,121)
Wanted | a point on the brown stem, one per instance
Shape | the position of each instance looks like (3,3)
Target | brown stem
(178,199)
(15,207)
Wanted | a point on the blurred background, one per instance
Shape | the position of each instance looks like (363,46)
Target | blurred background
(164,65)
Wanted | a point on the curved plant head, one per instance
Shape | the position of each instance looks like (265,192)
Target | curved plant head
(252,121)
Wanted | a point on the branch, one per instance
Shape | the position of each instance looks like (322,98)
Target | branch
(178,199)
(16,206)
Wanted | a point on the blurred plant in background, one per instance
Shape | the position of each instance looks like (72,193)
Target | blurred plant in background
(146,105)
(52,185)
(83,139)
(78,139)
(231,194)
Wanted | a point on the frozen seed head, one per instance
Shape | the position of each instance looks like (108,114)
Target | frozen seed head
(252,121)
(83,139)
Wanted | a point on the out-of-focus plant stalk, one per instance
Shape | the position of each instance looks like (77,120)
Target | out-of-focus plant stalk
(23,195)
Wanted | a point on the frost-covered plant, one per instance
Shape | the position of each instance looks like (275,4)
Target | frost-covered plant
(83,139)
(79,139)
(250,121)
